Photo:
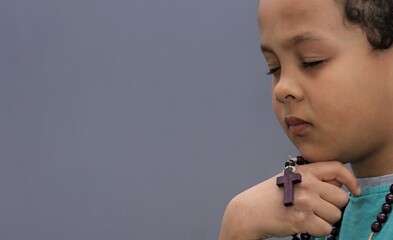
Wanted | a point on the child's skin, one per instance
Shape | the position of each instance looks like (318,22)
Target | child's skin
(325,73)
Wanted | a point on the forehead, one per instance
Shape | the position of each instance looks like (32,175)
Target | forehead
(284,19)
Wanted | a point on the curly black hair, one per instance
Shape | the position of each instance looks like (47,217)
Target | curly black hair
(375,17)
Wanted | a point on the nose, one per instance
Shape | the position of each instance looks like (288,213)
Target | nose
(287,89)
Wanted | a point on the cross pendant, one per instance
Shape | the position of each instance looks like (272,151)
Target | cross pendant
(288,181)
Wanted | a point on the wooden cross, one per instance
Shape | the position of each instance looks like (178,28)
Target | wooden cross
(288,181)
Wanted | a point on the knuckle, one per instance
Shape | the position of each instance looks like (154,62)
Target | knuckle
(301,217)
(298,221)
(303,198)
(303,210)
(307,182)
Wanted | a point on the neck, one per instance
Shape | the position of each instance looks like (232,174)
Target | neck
(373,166)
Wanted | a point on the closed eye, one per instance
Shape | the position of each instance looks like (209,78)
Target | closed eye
(312,64)
(273,70)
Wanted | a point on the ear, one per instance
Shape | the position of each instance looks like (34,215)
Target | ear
(389,62)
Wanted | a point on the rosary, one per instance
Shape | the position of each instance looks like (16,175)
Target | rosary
(291,177)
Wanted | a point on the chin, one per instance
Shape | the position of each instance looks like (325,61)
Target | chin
(315,154)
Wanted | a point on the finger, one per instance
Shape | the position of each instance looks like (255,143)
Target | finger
(325,201)
(317,226)
(335,171)
(335,183)
(333,194)
(327,211)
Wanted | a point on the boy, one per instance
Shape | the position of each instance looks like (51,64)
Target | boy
(332,91)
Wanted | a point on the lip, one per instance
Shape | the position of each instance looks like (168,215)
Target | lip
(297,126)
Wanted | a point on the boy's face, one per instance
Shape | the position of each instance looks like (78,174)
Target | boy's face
(331,92)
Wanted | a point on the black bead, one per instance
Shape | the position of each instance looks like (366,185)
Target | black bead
(305,236)
(338,224)
(331,237)
(300,160)
(290,163)
(334,231)
(376,227)
(389,198)
(382,217)
(391,188)
(386,208)
(294,237)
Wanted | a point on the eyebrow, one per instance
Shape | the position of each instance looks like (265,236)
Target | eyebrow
(305,37)
(298,39)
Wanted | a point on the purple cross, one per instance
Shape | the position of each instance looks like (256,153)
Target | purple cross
(287,181)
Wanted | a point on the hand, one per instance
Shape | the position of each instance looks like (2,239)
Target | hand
(259,213)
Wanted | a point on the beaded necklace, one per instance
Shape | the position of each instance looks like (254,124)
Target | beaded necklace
(291,177)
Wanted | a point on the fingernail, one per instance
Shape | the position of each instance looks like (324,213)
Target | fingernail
(359,191)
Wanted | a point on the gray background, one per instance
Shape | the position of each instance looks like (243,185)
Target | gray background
(135,119)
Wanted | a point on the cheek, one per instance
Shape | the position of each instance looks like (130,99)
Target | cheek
(334,91)
(348,104)
(279,112)
(275,104)
(335,105)
(277,109)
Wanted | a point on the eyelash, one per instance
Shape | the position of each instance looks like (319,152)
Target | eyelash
(304,64)
(273,71)
(311,64)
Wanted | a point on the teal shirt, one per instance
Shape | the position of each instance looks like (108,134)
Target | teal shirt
(361,212)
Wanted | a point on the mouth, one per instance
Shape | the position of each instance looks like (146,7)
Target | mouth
(297,126)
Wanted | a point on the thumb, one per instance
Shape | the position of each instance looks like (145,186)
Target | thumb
(336,173)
